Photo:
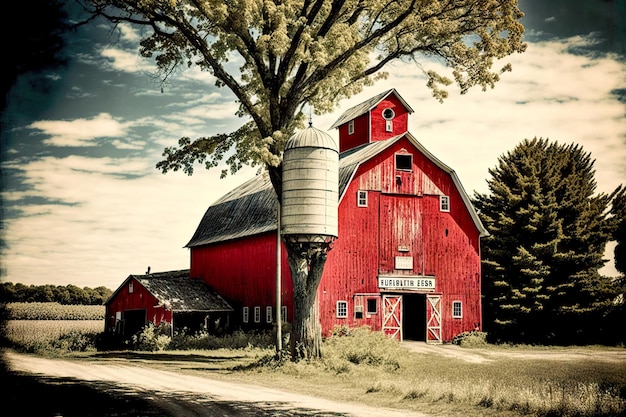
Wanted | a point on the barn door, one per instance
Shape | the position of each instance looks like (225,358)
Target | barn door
(392,316)
(433,318)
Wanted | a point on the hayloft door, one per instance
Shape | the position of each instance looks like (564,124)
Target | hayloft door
(392,316)
(433,318)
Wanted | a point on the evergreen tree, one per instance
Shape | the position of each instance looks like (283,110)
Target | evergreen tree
(549,229)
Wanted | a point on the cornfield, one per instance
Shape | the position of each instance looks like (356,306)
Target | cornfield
(53,311)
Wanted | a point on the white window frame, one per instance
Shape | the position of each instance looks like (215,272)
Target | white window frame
(245,314)
(457,309)
(342,309)
(351,127)
(367,304)
(388,126)
(268,314)
(361,198)
(283,314)
(444,203)
(257,314)
(131,287)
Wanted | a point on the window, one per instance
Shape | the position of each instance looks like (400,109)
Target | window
(388,126)
(372,306)
(283,313)
(257,314)
(361,200)
(404,162)
(388,114)
(350,127)
(268,314)
(358,312)
(457,309)
(444,203)
(342,309)
(130,287)
(245,314)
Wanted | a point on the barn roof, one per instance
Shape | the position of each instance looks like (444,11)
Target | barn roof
(362,108)
(179,292)
(252,208)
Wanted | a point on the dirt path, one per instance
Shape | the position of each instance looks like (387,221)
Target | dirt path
(482,355)
(182,395)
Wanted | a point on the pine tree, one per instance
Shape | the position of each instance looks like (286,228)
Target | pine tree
(549,229)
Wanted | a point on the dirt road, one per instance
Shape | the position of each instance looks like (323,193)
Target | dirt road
(180,395)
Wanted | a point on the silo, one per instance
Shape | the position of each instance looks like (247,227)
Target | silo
(310,192)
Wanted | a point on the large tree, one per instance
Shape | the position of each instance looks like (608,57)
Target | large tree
(278,56)
(548,232)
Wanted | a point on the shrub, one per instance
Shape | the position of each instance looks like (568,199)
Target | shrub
(470,339)
(151,338)
(361,346)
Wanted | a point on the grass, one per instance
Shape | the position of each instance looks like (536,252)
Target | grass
(366,367)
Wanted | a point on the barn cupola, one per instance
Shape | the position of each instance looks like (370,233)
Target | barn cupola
(381,117)
(310,189)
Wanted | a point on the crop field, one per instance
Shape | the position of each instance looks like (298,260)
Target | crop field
(53,311)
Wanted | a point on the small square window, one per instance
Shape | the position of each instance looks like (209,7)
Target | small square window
(404,162)
(245,314)
(283,314)
(268,314)
(457,309)
(361,198)
(342,309)
(257,314)
(372,306)
(350,127)
(444,203)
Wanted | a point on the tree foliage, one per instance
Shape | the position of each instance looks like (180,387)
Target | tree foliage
(277,56)
(549,228)
(62,294)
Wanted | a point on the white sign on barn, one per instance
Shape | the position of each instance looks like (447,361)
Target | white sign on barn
(407,283)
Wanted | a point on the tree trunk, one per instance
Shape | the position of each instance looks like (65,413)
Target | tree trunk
(306,265)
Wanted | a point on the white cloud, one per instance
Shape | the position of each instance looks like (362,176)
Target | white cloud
(127,60)
(108,226)
(80,132)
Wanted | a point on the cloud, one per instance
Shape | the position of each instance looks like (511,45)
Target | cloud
(101,224)
(80,132)
(126,61)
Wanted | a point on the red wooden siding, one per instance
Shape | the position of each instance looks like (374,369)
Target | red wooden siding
(359,137)
(243,271)
(400,120)
(140,298)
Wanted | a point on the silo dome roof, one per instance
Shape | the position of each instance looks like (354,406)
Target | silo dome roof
(311,138)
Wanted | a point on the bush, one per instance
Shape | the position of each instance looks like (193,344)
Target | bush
(151,338)
(471,339)
(360,346)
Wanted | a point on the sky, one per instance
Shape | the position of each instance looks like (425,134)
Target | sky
(82,201)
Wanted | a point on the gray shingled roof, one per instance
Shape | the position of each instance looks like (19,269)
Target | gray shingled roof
(179,292)
(362,108)
(251,208)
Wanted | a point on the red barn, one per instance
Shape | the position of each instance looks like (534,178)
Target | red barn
(407,260)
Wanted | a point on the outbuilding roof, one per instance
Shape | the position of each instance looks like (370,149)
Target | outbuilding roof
(179,292)
(252,208)
(368,105)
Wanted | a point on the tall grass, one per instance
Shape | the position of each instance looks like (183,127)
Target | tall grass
(52,336)
(378,370)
